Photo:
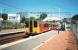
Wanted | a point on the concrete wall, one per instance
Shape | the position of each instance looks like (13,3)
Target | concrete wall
(31,42)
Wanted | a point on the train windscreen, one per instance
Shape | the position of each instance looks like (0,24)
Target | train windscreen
(35,23)
(31,26)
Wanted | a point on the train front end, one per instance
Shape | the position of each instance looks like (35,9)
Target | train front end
(32,27)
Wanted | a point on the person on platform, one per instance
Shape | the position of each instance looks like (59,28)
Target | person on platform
(59,27)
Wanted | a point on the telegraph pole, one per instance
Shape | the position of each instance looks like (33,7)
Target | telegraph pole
(0,21)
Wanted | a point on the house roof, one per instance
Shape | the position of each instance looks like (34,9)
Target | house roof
(52,18)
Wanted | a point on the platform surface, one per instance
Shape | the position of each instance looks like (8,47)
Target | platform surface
(29,43)
(7,31)
(65,40)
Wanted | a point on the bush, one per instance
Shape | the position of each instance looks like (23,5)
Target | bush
(11,25)
(18,25)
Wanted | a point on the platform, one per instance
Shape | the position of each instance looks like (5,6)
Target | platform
(7,31)
(65,40)
(29,43)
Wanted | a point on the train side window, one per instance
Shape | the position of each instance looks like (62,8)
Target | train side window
(26,24)
(46,25)
(35,23)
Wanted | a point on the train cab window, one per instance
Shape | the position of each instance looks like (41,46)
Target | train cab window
(26,24)
(35,23)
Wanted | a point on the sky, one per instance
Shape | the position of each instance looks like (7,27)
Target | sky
(39,6)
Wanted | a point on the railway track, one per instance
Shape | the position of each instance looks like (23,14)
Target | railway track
(7,38)
(11,37)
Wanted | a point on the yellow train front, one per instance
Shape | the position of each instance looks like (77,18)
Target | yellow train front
(31,27)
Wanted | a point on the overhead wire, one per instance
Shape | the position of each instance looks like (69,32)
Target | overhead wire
(10,6)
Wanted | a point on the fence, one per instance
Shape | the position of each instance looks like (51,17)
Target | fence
(74,28)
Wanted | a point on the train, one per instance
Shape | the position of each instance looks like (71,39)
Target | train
(33,27)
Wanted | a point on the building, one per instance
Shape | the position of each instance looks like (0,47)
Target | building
(14,17)
(58,19)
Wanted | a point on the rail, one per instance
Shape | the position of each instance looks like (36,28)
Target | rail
(10,37)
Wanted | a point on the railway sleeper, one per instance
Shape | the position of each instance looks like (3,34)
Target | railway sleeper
(11,36)
(8,40)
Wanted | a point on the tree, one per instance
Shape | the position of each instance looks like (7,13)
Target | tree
(5,16)
(32,18)
(43,15)
(38,19)
(53,21)
(75,17)
(23,19)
